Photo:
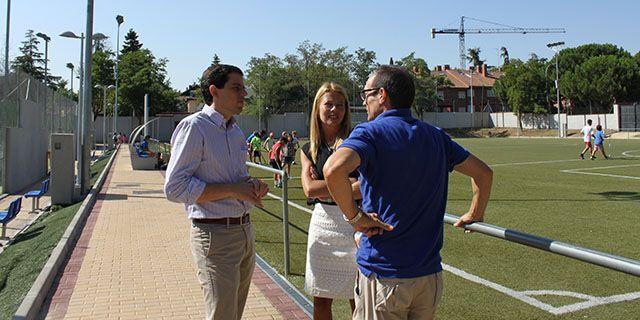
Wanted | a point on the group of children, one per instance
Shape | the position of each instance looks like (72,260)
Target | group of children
(598,140)
(282,151)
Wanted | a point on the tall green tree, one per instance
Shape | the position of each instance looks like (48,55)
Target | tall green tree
(582,79)
(596,84)
(364,63)
(31,60)
(524,87)
(141,73)
(102,73)
(131,43)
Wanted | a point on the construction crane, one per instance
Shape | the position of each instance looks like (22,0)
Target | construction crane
(505,29)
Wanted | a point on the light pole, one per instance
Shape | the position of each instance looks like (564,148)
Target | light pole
(104,112)
(553,46)
(71,66)
(119,20)
(6,40)
(80,105)
(46,76)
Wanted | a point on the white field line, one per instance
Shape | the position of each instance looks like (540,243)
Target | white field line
(532,162)
(524,296)
(581,171)
(628,153)
(293,204)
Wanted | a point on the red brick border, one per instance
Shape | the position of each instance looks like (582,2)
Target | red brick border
(278,298)
(57,302)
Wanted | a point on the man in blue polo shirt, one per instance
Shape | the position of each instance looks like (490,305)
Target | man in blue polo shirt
(404,166)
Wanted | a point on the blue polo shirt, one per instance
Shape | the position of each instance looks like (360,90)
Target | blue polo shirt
(404,172)
(599,137)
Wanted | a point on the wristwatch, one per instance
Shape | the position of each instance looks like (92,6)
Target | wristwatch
(355,219)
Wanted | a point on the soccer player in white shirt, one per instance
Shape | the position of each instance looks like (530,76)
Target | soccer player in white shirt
(586,132)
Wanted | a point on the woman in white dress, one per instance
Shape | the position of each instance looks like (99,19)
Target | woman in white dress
(331,267)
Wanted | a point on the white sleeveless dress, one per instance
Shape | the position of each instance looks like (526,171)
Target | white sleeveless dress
(331,255)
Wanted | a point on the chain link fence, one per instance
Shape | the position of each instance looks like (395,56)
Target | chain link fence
(58,112)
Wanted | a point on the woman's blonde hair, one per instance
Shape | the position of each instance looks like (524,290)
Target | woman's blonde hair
(316,136)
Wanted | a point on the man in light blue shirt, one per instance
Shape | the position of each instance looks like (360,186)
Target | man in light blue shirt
(207,173)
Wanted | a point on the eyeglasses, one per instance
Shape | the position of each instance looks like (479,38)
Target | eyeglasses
(363,93)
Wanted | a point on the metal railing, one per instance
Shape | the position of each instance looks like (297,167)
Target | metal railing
(285,210)
(602,259)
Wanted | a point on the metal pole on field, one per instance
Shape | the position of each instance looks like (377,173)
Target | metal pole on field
(553,46)
(285,221)
(602,259)
(285,210)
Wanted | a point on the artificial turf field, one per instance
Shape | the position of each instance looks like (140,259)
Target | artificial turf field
(540,187)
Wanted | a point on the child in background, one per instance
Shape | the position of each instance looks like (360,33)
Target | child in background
(598,138)
(275,160)
(256,146)
(296,143)
(269,142)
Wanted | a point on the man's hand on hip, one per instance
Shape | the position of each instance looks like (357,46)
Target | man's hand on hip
(370,225)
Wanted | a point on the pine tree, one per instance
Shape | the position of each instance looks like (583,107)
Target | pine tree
(131,42)
(31,61)
(216,60)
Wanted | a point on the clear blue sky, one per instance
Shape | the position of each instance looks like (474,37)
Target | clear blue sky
(188,33)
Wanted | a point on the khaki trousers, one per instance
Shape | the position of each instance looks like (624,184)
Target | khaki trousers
(391,299)
(225,257)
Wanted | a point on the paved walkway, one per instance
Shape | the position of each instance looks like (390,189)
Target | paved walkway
(133,260)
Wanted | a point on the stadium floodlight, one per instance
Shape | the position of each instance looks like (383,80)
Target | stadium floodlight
(553,46)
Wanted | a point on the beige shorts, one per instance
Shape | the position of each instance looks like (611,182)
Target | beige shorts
(390,299)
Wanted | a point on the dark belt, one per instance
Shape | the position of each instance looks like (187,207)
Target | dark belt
(311,201)
(228,221)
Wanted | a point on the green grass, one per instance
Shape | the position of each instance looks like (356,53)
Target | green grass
(22,261)
(596,212)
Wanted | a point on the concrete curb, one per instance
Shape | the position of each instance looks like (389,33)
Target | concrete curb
(32,302)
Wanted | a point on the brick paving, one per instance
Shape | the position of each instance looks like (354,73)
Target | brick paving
(133,260)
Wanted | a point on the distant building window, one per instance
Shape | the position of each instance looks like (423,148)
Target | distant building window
(462,95)
(490,93)
(441,95)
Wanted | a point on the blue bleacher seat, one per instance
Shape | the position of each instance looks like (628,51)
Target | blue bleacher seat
(37,194)
(10,213)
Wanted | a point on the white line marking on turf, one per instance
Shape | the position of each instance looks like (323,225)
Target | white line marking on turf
(524,296)
(627,153)
(532,162)
(580,171)
(293,204)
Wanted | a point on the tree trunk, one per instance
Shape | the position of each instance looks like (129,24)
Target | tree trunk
(519,114)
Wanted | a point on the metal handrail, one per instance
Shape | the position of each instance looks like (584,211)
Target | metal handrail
(599,258)
(285,210)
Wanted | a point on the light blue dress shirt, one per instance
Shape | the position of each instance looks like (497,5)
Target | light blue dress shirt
(206,150)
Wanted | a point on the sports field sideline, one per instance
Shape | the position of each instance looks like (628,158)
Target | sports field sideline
(540,187)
